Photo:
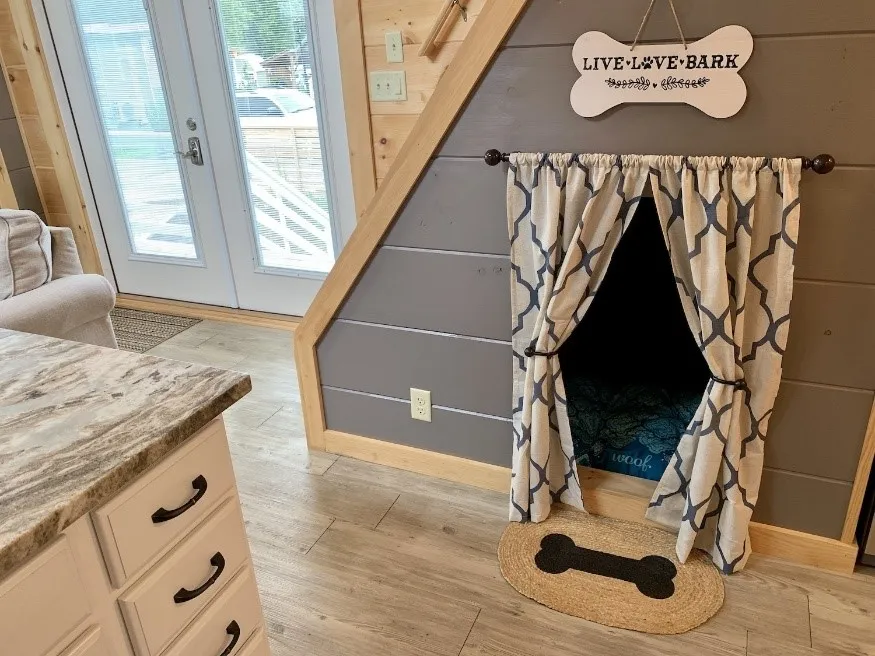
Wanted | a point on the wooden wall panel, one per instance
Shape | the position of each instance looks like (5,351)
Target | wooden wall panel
(389,361)
(350,48)
(7,111)
(830,342)
(33,97)
(17,185)
(802,503)
(413,18)
(837,232)
(562,21)
(7,117)
(818,430)
(837,227)
(37,146)
(522,104)
(26,193)
(389,134)
(7,191)
(422,76)
(391,122)
(10,52)
(12,145)
(831,334)
(470,436)
(453,293)
(457,206)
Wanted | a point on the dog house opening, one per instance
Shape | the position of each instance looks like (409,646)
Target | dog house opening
(633,373)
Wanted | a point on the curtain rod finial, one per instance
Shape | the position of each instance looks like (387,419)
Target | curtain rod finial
(495,157)
(822,164)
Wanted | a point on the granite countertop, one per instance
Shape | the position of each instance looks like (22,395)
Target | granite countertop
(78,423)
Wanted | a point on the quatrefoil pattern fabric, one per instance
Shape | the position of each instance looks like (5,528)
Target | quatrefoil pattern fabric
(730,225)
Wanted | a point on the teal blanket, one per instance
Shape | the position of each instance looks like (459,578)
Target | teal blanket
(629,428)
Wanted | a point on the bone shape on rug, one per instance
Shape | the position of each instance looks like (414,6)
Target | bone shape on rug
(704,74)
(653,575)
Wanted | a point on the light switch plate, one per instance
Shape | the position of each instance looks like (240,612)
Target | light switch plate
(394,48)
(388,86)
(420,404)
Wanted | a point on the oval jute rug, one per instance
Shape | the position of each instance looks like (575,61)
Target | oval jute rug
(609,571)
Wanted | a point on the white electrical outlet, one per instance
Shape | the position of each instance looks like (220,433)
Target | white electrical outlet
(420,404)
(394,48)
(388,86)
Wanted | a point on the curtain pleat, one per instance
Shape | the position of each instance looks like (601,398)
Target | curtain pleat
(566,214)
(730,226)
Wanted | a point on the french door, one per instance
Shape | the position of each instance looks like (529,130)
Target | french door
(214,142)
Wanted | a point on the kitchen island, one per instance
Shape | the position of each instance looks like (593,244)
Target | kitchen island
(120,525)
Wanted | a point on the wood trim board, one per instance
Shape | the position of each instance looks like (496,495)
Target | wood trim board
(452,92)
(605,493)
(430,463)
(861,482)
(7,192)
(33,97)
(201,311)
(354,81)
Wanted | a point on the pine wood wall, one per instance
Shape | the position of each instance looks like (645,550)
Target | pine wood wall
(33,99)
(391,122)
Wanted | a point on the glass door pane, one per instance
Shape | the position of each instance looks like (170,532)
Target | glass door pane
(269,58)
(129,92)
(126,68)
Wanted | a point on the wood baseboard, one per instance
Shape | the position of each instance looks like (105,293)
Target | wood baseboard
(605,493)
(212,312)
(430,463)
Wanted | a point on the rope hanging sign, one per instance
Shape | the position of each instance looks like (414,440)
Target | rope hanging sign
(704,73)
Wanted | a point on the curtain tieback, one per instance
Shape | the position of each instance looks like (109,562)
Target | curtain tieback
(737,384)
(530,352)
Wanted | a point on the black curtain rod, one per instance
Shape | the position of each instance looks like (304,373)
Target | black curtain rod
(822,164)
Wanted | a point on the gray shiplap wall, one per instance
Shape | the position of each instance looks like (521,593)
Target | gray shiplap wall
(15,156)
(433,309)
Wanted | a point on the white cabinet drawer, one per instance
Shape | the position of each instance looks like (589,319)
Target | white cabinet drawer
(256,645)
(41,603)
(160,605)
(89,644)
(162,505)
(226,624)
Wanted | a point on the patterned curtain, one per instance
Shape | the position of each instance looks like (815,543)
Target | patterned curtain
(566,214)
(731,227)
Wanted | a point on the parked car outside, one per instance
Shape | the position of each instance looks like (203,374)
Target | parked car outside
(275,108)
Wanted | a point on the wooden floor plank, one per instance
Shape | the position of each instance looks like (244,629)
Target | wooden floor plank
(759,645)
(834,631)
(363,559)
(316,605)
(535,631)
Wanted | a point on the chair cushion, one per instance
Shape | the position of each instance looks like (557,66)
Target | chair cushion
(25,253)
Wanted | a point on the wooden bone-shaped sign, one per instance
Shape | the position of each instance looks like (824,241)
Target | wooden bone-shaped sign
(704,75)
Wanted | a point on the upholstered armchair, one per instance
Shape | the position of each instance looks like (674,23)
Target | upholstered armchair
(42,287)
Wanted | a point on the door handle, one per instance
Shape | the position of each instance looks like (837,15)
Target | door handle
(195,154)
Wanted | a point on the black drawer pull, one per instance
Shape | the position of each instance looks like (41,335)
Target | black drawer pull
(182,595)
(161,515)
(233,630)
